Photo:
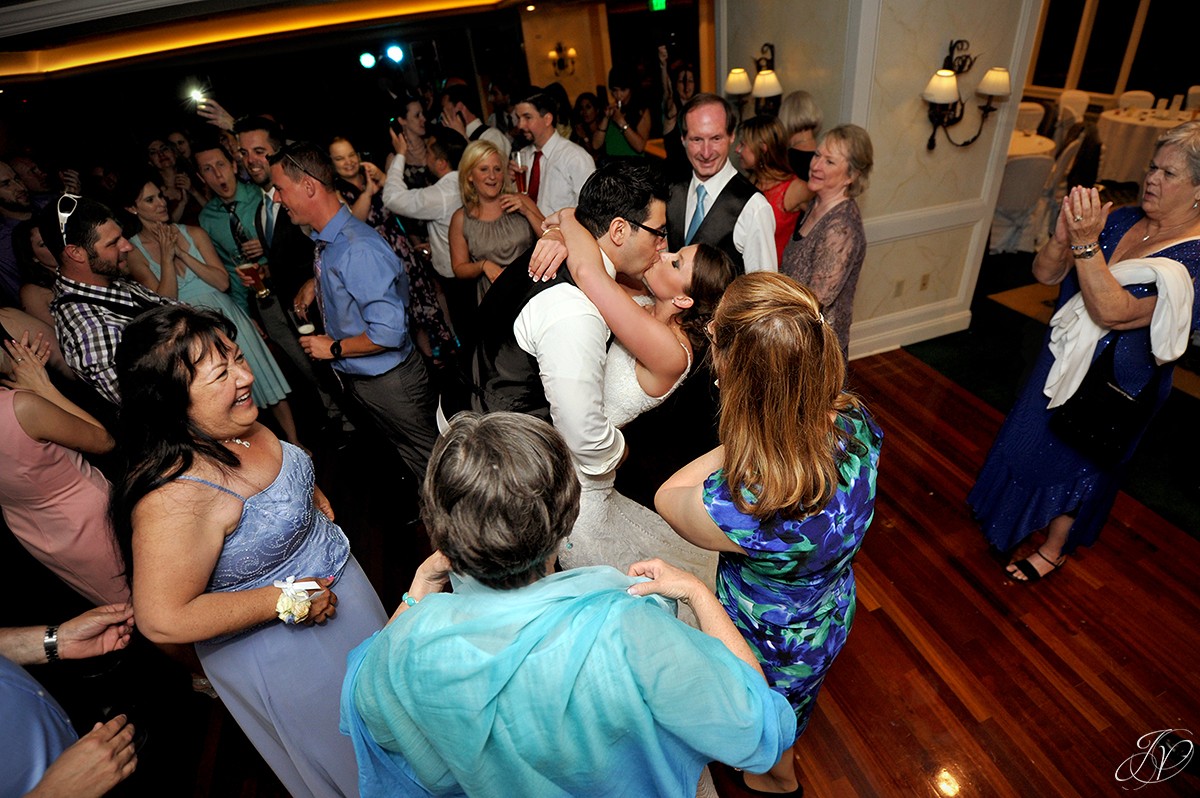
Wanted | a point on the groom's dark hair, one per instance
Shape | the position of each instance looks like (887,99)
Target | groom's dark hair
(621,189)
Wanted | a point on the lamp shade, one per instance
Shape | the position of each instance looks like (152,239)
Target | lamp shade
(995,83)
(738,82)
(942,88)
(766,84)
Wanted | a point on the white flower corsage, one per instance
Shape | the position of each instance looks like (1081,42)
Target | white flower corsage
(294,599)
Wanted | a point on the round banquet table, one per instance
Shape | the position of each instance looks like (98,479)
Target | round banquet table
(1129,137)
(1022,144)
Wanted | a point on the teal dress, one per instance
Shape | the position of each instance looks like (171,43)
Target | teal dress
(792,593)
(269,384)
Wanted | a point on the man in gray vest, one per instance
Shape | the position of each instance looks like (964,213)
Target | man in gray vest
(717,205)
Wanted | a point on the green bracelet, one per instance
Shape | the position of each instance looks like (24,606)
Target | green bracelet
(409,600)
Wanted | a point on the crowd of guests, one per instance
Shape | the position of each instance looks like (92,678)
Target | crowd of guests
(235,270)
(622,387)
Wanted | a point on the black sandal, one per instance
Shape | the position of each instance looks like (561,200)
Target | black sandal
(1026,568)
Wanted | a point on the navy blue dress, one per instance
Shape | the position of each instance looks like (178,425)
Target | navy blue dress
(1031,476)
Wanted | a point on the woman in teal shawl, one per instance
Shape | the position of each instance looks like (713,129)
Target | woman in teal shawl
(528,682)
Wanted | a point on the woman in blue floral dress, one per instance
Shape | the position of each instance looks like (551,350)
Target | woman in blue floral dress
(788,496)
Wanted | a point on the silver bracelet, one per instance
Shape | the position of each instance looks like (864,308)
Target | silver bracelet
(1085,250)
(50,643)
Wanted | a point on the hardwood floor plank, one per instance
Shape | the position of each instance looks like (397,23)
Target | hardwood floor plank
(999,688)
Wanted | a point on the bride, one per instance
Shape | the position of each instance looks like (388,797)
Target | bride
(659,333)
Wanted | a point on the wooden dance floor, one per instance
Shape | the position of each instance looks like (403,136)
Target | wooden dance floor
(956,681)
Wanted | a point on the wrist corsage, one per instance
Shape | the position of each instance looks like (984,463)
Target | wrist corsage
(294,599)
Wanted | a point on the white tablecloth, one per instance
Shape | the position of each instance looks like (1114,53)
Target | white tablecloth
(1029,145)
(1129,137)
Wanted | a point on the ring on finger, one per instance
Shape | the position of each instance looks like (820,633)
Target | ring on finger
(1079,218)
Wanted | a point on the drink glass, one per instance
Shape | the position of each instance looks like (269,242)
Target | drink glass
(254,272)
(520,178)
(301,326)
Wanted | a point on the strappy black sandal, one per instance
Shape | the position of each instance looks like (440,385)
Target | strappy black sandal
(1025,567)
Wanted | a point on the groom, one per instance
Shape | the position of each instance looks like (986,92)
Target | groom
(542,345)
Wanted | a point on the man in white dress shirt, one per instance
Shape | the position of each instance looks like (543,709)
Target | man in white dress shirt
(434,204)
(555,169)
(717,205)
(543,345)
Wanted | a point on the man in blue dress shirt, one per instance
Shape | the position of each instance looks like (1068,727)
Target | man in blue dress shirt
(361,290)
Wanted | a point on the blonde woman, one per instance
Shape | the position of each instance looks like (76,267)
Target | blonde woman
(788,496)
(494,225)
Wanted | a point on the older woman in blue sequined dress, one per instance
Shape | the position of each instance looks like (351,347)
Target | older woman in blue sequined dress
(1034,478)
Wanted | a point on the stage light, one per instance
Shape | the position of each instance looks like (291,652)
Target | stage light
(367,60)
(395,53)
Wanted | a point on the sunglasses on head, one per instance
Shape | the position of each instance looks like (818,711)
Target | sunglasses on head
(300,166)
(63,216)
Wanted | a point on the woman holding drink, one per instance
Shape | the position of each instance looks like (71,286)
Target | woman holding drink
(195,276)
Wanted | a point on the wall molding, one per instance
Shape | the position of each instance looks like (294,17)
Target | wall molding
(910,326)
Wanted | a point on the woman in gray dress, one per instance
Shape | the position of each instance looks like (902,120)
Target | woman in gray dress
(493,226)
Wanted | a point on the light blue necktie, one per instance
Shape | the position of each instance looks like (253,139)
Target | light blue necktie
(697,216)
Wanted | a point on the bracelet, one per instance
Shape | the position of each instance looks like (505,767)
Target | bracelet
(1085,250)
(50,643)
(624,128)
(547,230)
(409,600)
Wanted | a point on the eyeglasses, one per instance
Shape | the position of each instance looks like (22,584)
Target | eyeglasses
(64,216)
(656,233)
(297,164)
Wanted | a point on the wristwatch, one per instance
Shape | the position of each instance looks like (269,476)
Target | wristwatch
(335,349)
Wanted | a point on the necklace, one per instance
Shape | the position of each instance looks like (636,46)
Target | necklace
(238,441)
(1161,229)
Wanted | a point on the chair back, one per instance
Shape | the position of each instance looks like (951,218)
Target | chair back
(1019,224)
(1136,99)
(1067,126)
(1078,101)
(1029,116)
(1056,184)
(1193,97)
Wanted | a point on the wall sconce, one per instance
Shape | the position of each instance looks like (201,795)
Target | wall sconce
(562,59)
(945,103)
(737,84)
(766,93)
(766,89)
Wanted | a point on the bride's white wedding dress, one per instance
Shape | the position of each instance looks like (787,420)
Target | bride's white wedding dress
(615,530)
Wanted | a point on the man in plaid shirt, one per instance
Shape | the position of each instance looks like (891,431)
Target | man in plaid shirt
(94,299)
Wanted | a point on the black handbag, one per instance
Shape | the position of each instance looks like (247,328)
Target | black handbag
(1101,420)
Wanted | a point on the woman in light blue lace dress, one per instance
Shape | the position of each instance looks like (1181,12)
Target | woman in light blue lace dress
(195,276)
(214,514)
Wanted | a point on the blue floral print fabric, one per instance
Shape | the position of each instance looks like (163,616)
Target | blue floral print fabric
(792,593)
